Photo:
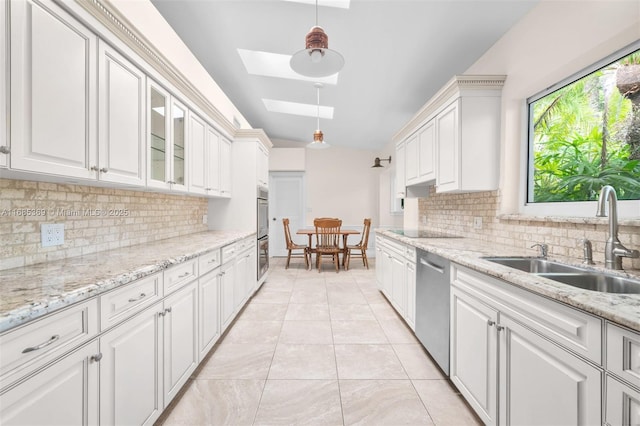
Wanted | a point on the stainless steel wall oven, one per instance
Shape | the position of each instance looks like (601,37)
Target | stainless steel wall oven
(263,231)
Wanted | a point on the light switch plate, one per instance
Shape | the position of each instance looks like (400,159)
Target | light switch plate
(52,234)
(477,222)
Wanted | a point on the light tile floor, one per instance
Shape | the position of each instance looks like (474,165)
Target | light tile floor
(318,349)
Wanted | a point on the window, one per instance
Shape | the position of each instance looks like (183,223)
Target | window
(584,133)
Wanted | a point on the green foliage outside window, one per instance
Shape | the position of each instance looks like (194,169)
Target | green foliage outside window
(587,135)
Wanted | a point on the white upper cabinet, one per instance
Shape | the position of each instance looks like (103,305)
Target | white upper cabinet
(167,137)
(411,160)
(263,166)
(400,189)
(225,167)
(454,140)
(427,152)
(53,91)
(198,156)
(214,167)
(122,146)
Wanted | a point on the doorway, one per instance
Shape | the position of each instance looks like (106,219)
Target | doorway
(286,200)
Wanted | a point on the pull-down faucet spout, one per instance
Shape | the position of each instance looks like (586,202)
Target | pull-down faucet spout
(614,251)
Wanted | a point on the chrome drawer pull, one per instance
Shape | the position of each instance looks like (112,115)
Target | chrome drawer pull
(42,345)
(186,274)
(213,261)
(96,357)
(135,299)
(491,323)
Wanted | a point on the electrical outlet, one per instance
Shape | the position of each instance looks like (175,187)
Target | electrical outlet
(477,222)
(205,219)
(52,234)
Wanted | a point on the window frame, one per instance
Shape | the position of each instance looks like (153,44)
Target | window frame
(626,208)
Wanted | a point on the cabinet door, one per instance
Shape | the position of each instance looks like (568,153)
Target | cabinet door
(398,284)
(179,146)
(227,281)
(474,353)
(541,383)
(198,156)
(180,339)
(252,270)
(121,142)
(387,273)
(64,393)
(240,288)
(213,163)
(131,370)
(400,190)
(447,133)
(209,312)
(53,91)
(159,148)
(427,152)
(411,160)
(225,167)
(410,274)
(622,404)
(379,265)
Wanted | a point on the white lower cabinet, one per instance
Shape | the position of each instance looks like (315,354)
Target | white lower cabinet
(398,283)
(378,264)
(622,404)
(131,365)
(509,373)
(64,393)
(180,339)
(227,284)
(410,276)
(209,312)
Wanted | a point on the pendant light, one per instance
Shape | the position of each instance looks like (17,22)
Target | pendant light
(316,59)
(318,137)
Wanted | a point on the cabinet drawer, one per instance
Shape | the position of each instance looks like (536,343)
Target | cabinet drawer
(569,327)
(209,261)
(410,253)
(129,299)
(179,275)
(229,252)
(623,353)
(622,404)
(29,347)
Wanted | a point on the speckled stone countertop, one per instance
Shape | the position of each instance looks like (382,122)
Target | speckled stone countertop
(623,309)
(26,293)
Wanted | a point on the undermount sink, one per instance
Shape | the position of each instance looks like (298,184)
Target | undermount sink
(571,275)
(534,265)
(598,282)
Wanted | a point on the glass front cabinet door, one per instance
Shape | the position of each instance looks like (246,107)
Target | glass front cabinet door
(166,118)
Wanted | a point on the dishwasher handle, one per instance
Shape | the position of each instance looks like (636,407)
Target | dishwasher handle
(433,266)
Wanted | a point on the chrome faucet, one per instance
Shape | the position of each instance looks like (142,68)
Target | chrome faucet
(614,251)
(544,249)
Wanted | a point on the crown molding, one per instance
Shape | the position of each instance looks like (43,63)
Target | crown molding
(121,27)
(459,85)
(254,134)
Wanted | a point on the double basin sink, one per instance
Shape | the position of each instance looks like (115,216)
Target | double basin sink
(572,275)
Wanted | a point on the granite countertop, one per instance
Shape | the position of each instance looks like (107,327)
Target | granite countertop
(623,309)
(32,291)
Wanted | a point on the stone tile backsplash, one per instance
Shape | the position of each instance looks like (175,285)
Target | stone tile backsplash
(95,219)
(454,213)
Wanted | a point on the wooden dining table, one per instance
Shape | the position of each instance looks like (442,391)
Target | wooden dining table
(310,232)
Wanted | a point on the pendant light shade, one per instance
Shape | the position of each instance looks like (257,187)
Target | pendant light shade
(318,137)
(316,59)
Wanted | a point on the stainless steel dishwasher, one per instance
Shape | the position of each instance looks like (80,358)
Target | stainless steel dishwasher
(432,306)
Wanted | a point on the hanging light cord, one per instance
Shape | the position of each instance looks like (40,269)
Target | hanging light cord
(318,110)
(316,13)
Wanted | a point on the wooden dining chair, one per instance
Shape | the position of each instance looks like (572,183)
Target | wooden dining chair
(291,246)
(327,240)
(361,247)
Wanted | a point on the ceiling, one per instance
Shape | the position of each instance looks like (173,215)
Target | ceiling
(397,55)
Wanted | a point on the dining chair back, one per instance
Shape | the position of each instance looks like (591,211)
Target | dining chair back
(327,240)
(360,249)
(293,248)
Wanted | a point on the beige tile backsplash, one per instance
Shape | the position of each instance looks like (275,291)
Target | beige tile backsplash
(454,213)
(95,219)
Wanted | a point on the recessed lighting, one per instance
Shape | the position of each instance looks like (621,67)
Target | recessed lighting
(307,110)
(276,65)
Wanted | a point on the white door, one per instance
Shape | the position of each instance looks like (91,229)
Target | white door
(286,200)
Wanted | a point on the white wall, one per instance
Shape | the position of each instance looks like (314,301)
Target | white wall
(552,42)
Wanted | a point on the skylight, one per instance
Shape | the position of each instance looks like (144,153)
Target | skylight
(307,110)
(343,4)
(276,65)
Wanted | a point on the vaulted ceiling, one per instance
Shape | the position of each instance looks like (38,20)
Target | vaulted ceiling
(397,55)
